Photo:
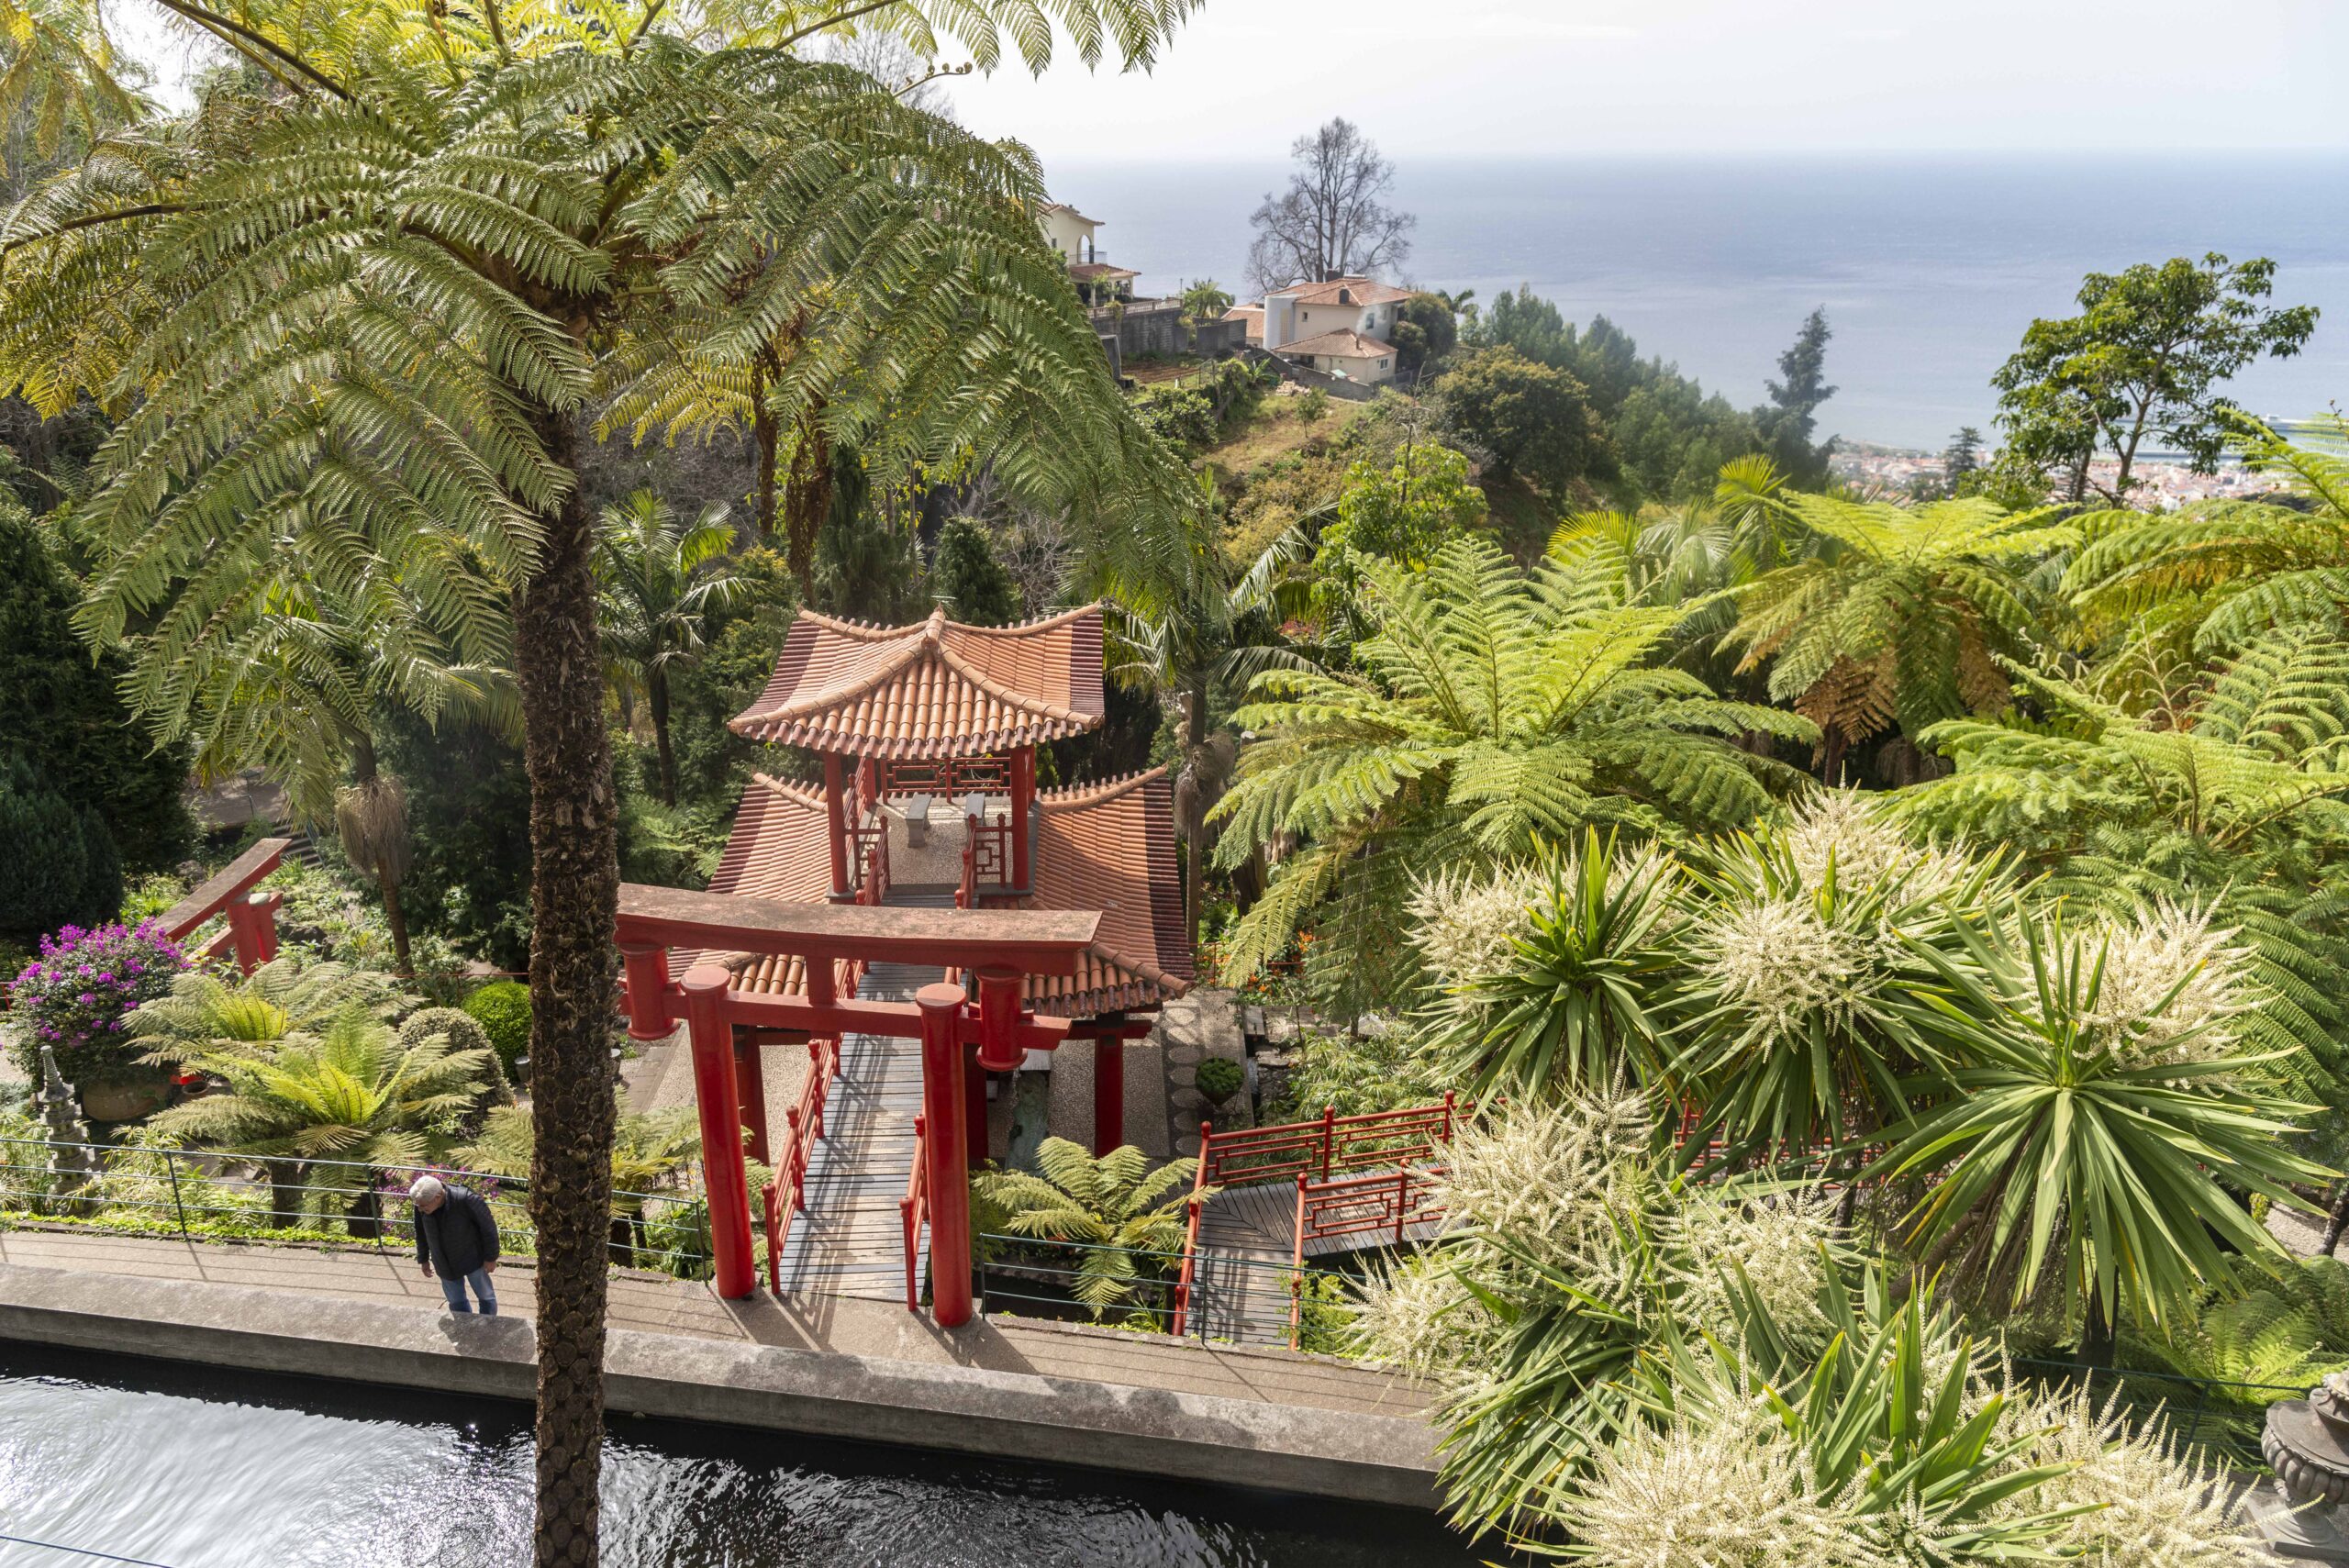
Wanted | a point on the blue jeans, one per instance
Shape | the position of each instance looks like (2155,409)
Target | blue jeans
(455,1289)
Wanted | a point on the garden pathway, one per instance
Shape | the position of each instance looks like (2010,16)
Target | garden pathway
(814,1322)
(850,1238)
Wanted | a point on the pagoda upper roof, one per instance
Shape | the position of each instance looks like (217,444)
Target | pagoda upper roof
(936,690)
(1111,847)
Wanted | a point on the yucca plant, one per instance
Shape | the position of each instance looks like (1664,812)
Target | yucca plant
(2082,1119)
(1123,1218)
(1585,989)
(348,312)
(1494,711)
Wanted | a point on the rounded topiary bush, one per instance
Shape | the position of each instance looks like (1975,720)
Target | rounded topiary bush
(1219,1078)
(502,1007)
(464,1031)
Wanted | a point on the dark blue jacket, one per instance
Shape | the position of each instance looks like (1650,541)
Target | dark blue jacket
(457,1238)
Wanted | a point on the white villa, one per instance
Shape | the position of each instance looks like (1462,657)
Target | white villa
(1341,327)
(1071,233)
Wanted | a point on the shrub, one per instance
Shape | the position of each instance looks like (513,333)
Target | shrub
(503,1009)
(1219,1078)
(465,1032)
(58,865)
(1313,405)
(75,996)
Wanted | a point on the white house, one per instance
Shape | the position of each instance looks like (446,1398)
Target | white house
(1068,232)
(1345,353)
(1341,305)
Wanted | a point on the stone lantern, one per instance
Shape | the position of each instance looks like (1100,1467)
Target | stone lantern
(2307,1444)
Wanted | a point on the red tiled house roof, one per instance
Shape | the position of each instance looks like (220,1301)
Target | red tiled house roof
(1111,847)
(937,690)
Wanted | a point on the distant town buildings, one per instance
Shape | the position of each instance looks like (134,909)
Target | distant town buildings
(2157,483)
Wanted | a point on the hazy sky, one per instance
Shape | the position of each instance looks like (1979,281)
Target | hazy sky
(1547,77)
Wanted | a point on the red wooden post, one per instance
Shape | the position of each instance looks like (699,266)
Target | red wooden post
(974,1104)
(648,990)
(1023,790)
(1109,1094)
(265,917)
(720,1101)
(1447,1114)
(946,1153)
(836,824)
(868,784)
(246,917)
(750,1077)
(998,1016)
(1402,1201)
(1328,1138)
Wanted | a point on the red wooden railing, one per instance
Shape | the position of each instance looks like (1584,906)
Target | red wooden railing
(786,1197)
(1330,1145)
(252,930)
(913,1209)
(946,776)
(1313,1152)
(987,855)
(868,859)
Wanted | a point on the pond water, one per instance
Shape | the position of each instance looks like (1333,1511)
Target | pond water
(190,1468)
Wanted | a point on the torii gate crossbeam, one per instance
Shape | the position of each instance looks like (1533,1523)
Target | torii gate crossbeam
(999,946)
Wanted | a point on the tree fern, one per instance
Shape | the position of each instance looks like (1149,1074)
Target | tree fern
(1493,712)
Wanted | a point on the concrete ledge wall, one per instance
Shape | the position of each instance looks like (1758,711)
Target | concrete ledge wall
(1154,1432)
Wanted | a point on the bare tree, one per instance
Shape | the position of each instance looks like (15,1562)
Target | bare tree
(1331,221)
(894,64)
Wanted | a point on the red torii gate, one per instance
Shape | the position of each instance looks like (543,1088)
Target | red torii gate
(997,947)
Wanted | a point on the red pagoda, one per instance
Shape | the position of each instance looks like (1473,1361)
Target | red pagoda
(928,862)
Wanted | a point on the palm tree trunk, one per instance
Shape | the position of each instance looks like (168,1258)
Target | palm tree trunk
(1195,739)
(396,918)
(2335,1222)
(574,899)
(656,697)
(363,772)
(766,442)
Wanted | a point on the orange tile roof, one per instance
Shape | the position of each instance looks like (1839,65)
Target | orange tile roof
(1111,847)
(1344,344)
(1361,291)
(776,850)
(940,689)
(1093,272)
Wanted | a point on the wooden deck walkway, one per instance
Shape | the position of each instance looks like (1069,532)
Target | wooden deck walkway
(1240,1284)
(851,1240)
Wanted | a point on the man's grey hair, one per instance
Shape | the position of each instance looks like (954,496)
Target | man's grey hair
(425,1189)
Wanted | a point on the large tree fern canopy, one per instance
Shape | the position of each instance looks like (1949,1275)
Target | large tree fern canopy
(1493,711)
(319,303)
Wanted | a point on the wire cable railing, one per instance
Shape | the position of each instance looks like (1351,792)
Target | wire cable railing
(198,1195)
(1223,1296)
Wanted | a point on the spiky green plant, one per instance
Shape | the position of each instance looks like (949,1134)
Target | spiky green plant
(1125,1217)
(1495,711)
(2071,1132)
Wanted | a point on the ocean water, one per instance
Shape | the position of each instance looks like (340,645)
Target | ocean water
(1930,268)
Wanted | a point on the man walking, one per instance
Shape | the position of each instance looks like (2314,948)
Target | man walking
(456,1239)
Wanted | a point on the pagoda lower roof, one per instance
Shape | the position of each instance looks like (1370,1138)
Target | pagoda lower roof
(1111,847)
(937,690)
(1106,847)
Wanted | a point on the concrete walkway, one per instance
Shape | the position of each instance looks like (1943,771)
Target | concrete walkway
(817,1323)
